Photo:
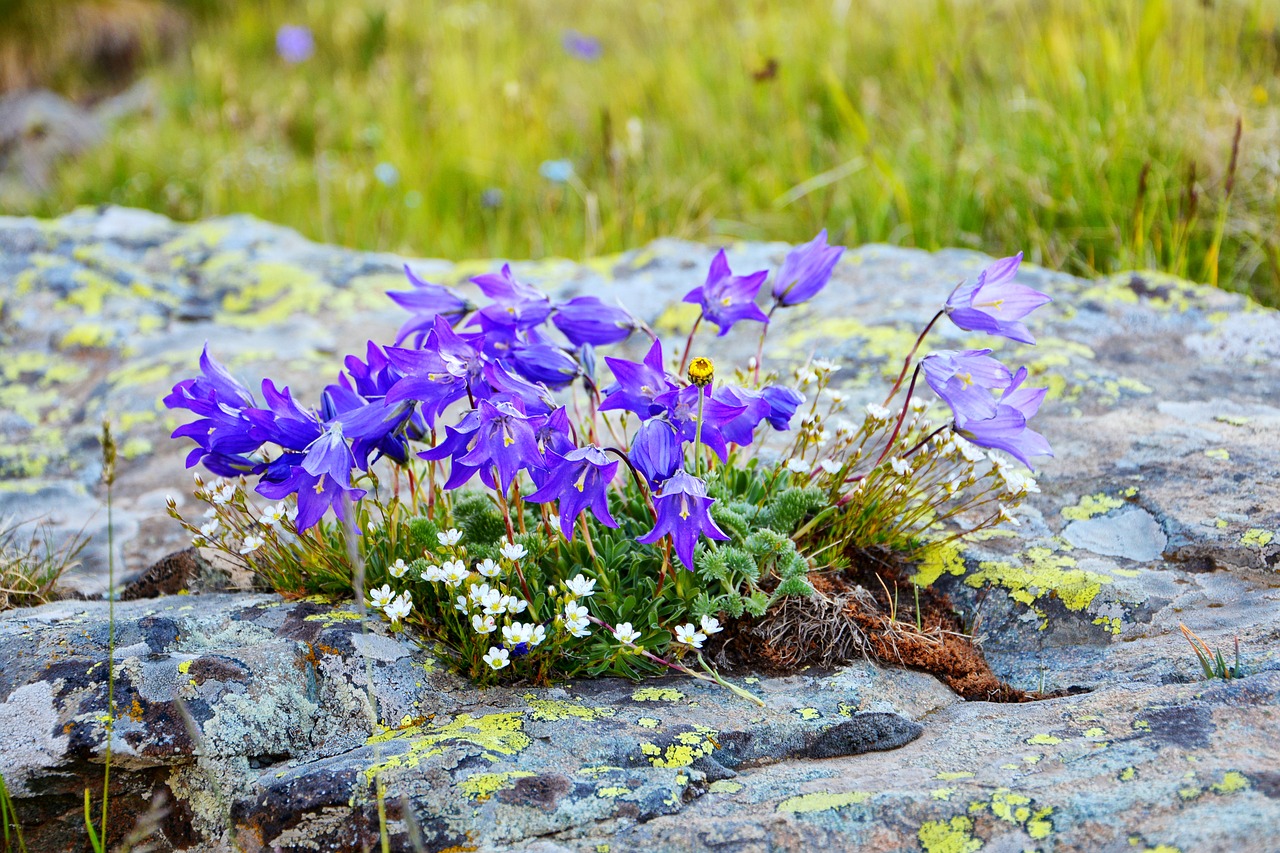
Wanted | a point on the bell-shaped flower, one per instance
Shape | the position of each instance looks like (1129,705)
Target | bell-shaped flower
(783,402)
(638,384)
(588,320)
(657,451)
(515,306)
(579,480)
(727,298)
(504,440)
(682,509)
(223,435)
(805,271)
(316,493)
(992,303)
(539,361)
(444,370)
(1007,428)
(682,410)
(755,408)
(426,302)
(967,381)
(457,440)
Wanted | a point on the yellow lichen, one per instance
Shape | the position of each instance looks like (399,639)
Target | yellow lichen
(1257,536)
(939,560)
(725,786)
(806,803)
(1219,453)
(647,723)
(482,786)
(807,713)
(1232,781)
(1044,740)
(1041,572)
(688,747)
(612,792)
(942,793)
(1091,505)
(949,775)
(953,836)
(551,710)
(492,733)
(657,694)
(1128,774)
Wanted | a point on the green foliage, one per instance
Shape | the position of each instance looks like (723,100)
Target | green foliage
(31,562)
(1212,663)
(1096,134)
(10,829)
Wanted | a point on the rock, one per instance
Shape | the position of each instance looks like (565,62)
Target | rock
(251,718)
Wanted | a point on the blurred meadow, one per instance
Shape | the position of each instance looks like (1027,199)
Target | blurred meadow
(1096,135)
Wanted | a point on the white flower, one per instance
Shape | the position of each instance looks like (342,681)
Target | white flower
(711,625)
(223,493)
(968,450)
(919,404)
(497,658)
(1014,480)
(514,605)
(518,632)
(462,604)
(488,568)
(580,586)
(625,633)
(479,592)
(433,574)
(494,603)
(210,513)
(797,466)
(483,624)
(512,552)
(900,466)
(209,528)
(553,521)
(274,514)
(398,568)
(251,544)
(1005,516)
(953,486)
(455,572)
(806,377)
(877,412)
(450,537)
(831,466)
(574,611)
(380,598)
(539,634)
(399,608)
(689,635)
(577,627)
(825,366)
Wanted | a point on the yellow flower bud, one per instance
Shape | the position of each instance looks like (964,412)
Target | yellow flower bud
(701,371)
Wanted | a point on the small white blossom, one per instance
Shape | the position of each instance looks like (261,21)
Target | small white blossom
(831,466)
(539,635)
(711,625)
(877,412)
(582,587)
(919,404)
(210,513)
(968,450)
(806,377)
(398,568)
(513,552)
(689,635)
(574,610)
(518,632)
(399,608)
(900,466)
(433,574)
(209,528)
(838,397)
(479,592)
(483,624)
(553,521)
(577,627)
(497,658)
(494,603)
(462,605)
(224,492)
(450,537)
(488,568)
(274,514)
(251,544)
(825,366)
(1005,516)
(380,598)
(625,633)
(514,605)
(455,572)
(797,466)
(1014,480)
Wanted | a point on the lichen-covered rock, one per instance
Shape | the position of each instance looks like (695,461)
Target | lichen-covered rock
(278,725)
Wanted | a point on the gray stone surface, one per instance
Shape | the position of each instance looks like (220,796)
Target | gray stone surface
(1162,507)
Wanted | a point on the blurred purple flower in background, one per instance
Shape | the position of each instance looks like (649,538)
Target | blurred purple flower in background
(587,320)
(727,298)
(294,44)
(582,46)
(806,270)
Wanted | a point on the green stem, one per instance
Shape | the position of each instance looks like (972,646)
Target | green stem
(697,437)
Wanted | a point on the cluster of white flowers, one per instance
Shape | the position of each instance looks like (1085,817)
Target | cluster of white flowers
(689,635)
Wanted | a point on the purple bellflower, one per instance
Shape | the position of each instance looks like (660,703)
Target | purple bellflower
(579,480)
(283,422)
(657,451)
(755,408)
(727,298)
(682,514)
(682,409)
(501,385)
(316,493)
(426,302)
(783,402)
(456,442)
(805,271)
(638,384)
(516,305)
(587,320)
(294,44)
(966,381)
(222,433)
(1007,429)
(447,368)
(539,361)
(992,303)
(505,440)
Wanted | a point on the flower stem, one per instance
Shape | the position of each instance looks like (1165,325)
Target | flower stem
(906,363)
(688,346)
(760,347)
(901,417)
(697,437)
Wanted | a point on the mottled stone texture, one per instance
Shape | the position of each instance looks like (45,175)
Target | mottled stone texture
(255,719)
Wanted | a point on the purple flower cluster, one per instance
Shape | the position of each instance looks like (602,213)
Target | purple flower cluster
(970,381)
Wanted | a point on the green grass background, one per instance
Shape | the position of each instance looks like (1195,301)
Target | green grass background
(1095,135)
